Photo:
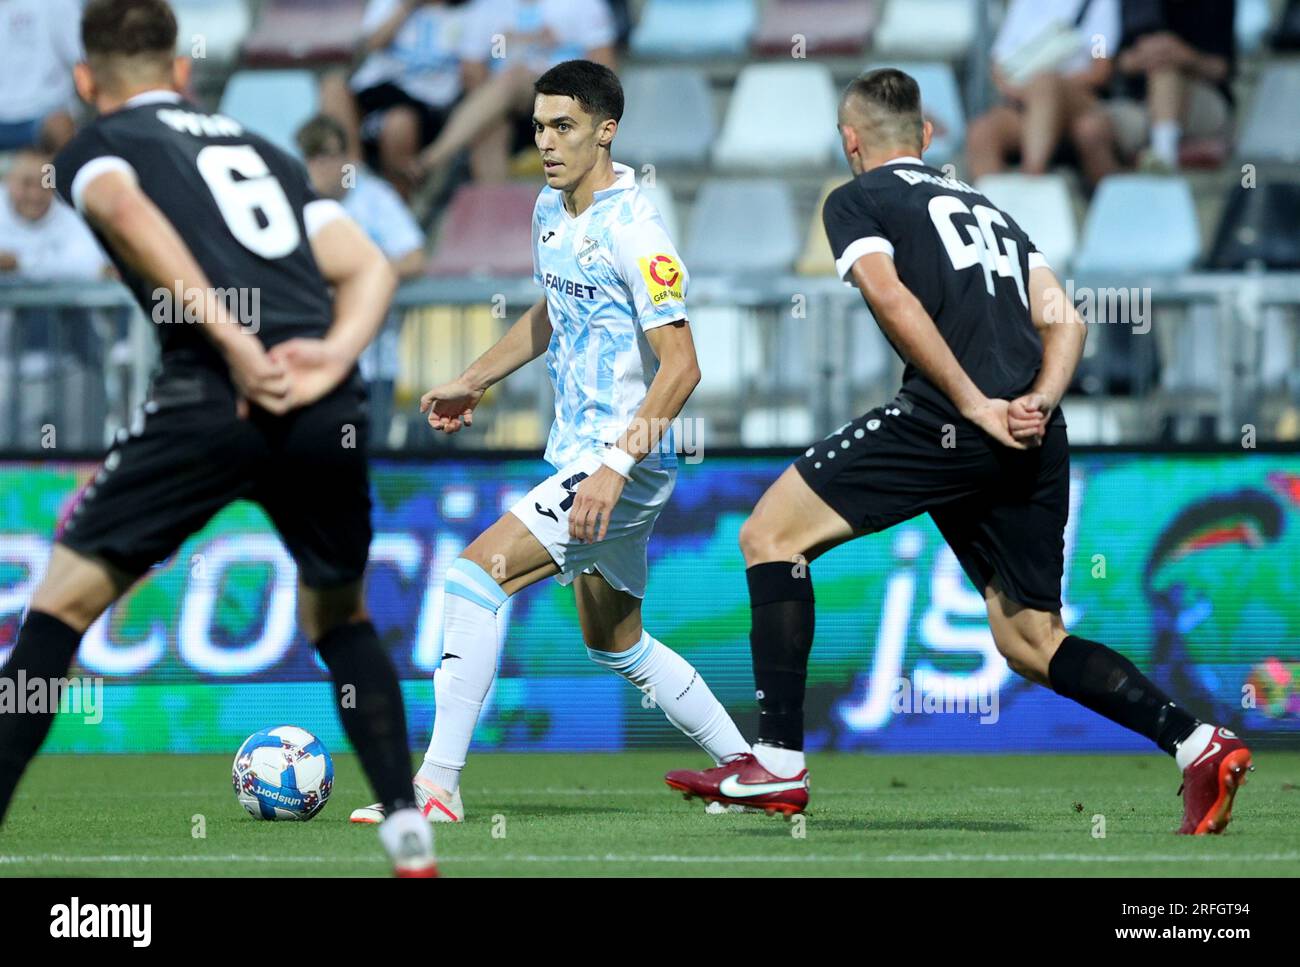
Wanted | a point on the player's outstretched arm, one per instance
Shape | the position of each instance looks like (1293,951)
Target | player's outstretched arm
(1063,333)
(675,380)
(137,230)
(451,405)
(910,328)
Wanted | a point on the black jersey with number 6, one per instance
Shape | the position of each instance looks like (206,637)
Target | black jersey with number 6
(240,204)
(965,260)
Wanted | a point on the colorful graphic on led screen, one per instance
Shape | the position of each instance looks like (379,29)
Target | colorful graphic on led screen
(1187,564)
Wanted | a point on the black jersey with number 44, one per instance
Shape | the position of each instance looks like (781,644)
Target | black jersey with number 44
(239,203)
(967,262)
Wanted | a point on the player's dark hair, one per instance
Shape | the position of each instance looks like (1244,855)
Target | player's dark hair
(594,86)
(321,135)
(887,100)
(128,28)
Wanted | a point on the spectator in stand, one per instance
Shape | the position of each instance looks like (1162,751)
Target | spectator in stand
(403,92)
(1176,63)
(508,45)
(39,44)
(375,205)
(371,201)
(41,238)
(1051,58)
(51,360)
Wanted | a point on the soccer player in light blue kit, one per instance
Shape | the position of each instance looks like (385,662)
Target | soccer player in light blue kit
(612,322)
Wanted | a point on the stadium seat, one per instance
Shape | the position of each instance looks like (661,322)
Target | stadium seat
(817,258)
(667,117)
(1259,227)
(802,96)
(742,226)
(1140,223)
(662,196)
(941,101)
(726,349)
(274,104)
(1253,20)
(941,29)
(291,32)
(828,27)
(1271,133)
(1042,206)
(487,230)
(219,25)
(693,29)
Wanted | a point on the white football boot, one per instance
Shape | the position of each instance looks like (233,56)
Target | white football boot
(437,804)
(408,841)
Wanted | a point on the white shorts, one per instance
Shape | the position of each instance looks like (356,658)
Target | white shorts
(621,556)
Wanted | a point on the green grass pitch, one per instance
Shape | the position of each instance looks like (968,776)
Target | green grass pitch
(575,815)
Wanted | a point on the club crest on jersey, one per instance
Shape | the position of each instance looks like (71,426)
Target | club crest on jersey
(589,251)
(663,278)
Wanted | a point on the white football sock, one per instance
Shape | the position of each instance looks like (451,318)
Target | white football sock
(470,647)
(1165,136)
(786,763)
(677,688)
(1187,751)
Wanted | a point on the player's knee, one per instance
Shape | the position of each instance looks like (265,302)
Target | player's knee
(757,541)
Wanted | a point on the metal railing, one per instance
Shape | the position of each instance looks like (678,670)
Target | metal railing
(785,360)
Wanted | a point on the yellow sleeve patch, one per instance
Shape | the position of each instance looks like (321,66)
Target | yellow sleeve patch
(663,278)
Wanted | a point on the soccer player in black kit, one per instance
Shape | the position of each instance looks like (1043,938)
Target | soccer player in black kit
(975,438)
(268,408)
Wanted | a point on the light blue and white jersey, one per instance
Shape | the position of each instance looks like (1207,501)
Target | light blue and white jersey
(609,275)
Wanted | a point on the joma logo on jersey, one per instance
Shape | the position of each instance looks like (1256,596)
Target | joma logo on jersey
(663,278)
(566,287)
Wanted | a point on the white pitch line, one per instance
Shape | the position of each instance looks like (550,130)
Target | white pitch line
(701,860)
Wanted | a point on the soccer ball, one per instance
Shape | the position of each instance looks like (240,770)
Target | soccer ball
(282,773)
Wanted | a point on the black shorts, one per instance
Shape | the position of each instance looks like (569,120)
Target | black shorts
(374,102)
(1002,511)
(188,455)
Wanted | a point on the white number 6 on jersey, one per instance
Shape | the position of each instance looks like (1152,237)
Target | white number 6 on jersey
(240,200)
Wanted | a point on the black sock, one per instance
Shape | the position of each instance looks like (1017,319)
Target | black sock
(780,638)
(1108,683)
(372,712)
(44,650)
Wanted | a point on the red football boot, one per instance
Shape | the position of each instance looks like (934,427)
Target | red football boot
(742,781)
(1211,782)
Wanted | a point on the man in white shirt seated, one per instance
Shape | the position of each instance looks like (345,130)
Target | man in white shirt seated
(50,358)
(41,238)
(39,44)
